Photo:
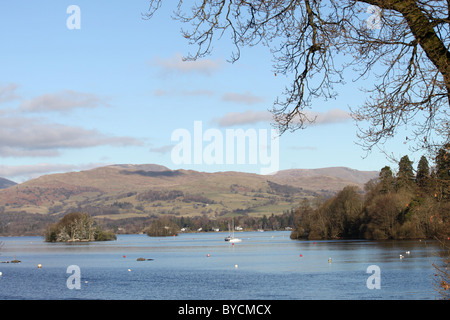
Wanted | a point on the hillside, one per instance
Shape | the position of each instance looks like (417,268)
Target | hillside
(330,179)
(140,191)
(5,183)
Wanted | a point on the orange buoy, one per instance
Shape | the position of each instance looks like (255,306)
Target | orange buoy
(124,256)
(301,255)
(208,255)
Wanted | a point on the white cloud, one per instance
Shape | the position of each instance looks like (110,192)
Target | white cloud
(198,93)
(161,93)
(26,137)
(245,98)
(25,172)
(175,64)
(252,117)
(63,101)
(331,116)
(162,150)
(8,92)
(243,118)
(185,93)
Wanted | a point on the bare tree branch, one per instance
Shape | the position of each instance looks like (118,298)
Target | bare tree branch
(316,41)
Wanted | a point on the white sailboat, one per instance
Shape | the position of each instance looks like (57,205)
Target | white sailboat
(231,238)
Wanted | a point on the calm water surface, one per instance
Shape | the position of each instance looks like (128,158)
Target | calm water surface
(265,265)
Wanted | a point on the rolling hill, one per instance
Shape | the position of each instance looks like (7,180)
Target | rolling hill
(124,186)
(136,191)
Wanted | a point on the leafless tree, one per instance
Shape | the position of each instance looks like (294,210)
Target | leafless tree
(403,48)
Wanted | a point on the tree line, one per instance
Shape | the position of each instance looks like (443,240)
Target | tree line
(171,225)
(410,204)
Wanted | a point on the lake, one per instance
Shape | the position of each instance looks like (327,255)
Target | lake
(202,266)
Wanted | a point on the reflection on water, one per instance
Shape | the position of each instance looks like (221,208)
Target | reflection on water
(265,265)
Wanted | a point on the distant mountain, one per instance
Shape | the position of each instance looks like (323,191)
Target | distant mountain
(5,183)
(127,191)
(144,167)
(339,174)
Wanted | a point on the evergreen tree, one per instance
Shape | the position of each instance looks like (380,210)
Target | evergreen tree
(443,163)
(443,172)
(405,176)
(423,173)
(386,180)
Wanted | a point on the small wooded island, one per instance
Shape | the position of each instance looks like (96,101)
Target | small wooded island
(76,227)
(162,227)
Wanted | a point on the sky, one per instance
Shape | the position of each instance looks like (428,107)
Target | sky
(100,86)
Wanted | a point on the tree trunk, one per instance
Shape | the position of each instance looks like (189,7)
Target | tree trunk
(424,33)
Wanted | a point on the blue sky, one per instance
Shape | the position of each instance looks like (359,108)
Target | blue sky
(116,89)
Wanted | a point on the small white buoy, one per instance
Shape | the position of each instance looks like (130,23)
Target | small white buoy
(129,270)
(401,257)
(408,252)
(236,266)
(39,266)
(1,273)
(329,260)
